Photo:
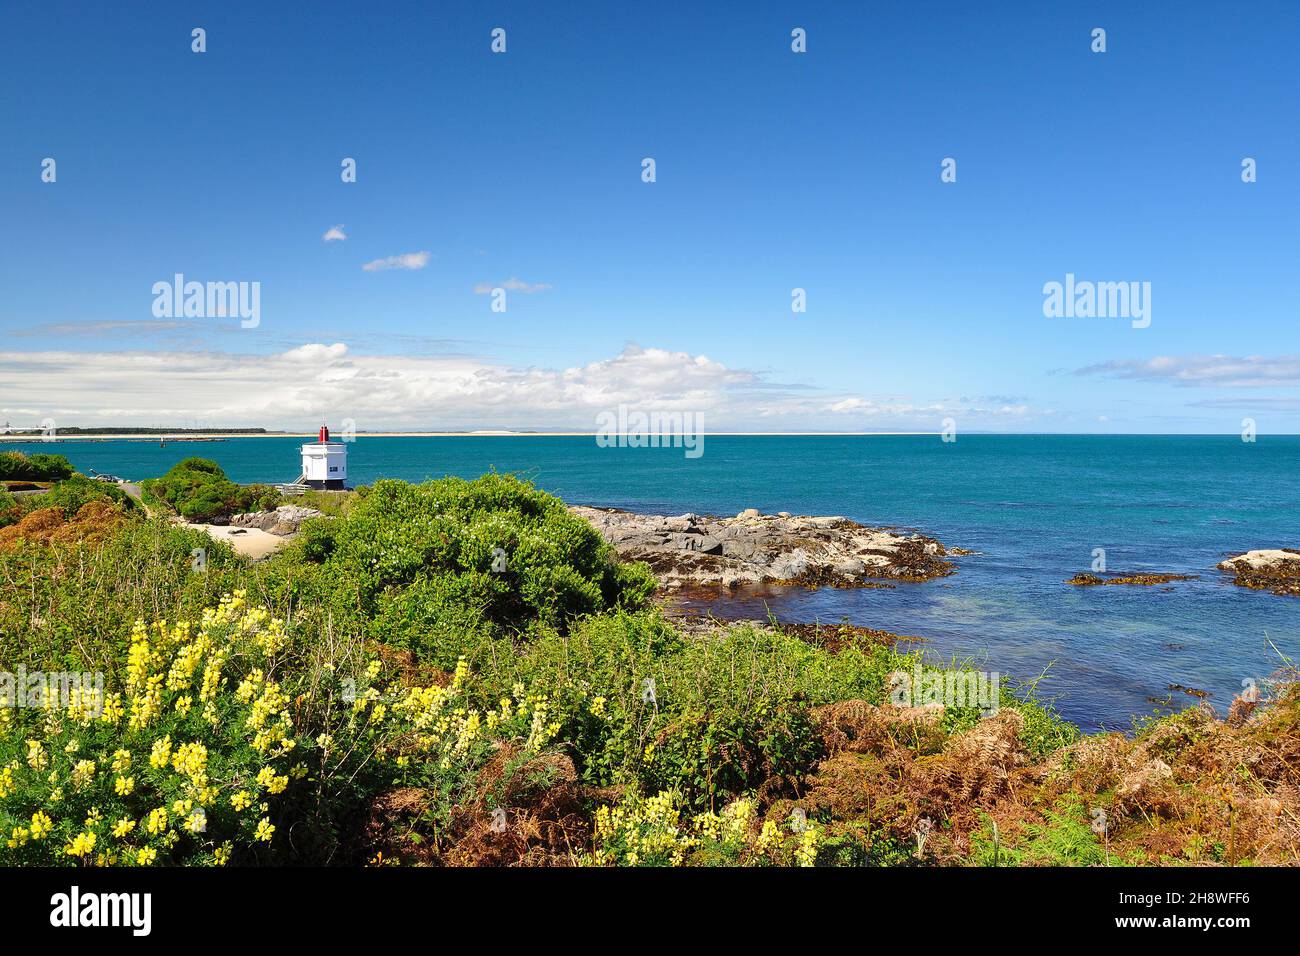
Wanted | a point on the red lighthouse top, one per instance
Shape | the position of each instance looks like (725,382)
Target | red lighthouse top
(324,434)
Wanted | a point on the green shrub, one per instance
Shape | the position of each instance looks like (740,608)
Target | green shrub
(710,717)
(71,493)
(16,466)
(438,566)
(198,490)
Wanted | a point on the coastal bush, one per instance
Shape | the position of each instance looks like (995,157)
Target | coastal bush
(16,466)
(70,494)
(709,717)
(198,490)
(435,567)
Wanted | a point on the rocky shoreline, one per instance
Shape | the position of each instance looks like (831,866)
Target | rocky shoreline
(1268,569)
(753,548)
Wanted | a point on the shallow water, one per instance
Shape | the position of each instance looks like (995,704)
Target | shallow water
(1034,507)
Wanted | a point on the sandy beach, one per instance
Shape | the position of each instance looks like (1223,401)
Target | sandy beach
(250,542)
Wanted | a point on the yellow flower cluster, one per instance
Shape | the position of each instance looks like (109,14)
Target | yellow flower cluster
(185,663)
(426,718)
(186,741)
(648,830)
(651,831)
(733,823)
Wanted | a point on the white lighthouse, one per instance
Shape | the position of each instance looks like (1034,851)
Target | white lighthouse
(325,462)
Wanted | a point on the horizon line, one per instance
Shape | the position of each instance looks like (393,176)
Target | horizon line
(514,433)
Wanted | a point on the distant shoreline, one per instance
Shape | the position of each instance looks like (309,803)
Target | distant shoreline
(492,433)
(218,436)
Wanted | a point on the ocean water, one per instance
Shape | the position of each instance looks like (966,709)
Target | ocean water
(1033,507)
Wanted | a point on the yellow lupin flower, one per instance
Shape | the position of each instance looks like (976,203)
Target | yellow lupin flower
(192,760)
(82,845)
(37,759)
(83,772)
(161,754)
(41,825)
(156,822)
(113,709)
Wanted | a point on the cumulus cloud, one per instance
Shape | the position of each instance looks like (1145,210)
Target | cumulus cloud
(315,352)
(417,392)
(1225,371)
(407,260)
(513,284)
(334,234)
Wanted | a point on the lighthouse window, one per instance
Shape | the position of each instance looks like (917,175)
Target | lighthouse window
(333,469)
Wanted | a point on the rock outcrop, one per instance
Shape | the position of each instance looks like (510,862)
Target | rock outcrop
(284,520)
(754,548)
(1091,580)
(1270,569)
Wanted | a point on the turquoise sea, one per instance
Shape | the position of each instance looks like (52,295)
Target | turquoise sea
(1034,507)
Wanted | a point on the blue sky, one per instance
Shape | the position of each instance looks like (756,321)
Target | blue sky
(775,170)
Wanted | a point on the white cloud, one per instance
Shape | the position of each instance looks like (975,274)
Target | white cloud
(1225,371)
(513,284)
(407,260)
(334,234)
(452,392)
(315,352)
